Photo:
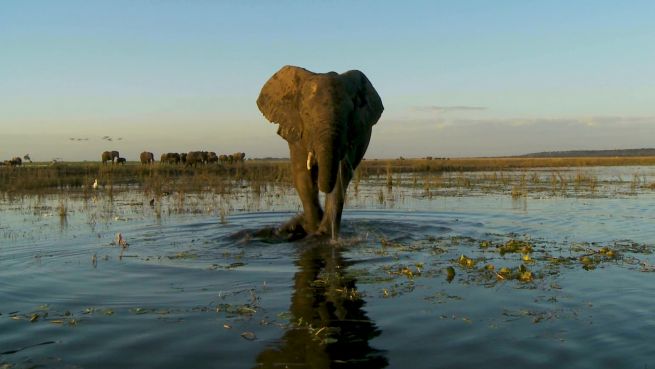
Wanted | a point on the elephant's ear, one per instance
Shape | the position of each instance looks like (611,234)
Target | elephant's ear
(367,104)
(278,100)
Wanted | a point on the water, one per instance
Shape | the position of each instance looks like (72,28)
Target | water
(195,288)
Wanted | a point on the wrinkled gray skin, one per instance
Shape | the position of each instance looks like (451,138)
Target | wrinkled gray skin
(170,158)
(327,121)
(109,156)
(147,157)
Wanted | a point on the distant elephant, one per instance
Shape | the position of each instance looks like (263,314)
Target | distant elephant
(238,157)
(170,158)
(223,158)
(183,157)
(109,155)
(147,157)
(193,158)
(121,161)
(212,157)
(16,161)
(327,121)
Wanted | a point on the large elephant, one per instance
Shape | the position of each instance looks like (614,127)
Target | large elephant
(147,157)
(109,156)
(327,121)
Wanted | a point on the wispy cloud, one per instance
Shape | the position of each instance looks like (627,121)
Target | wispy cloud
(447,109)
(590,122)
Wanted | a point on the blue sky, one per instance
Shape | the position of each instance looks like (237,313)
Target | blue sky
(458,78)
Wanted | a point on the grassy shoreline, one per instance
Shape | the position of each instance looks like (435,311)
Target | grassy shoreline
(43,177)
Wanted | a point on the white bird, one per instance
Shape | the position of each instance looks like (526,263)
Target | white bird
(95,184)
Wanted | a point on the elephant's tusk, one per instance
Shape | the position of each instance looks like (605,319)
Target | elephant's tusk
(310,155)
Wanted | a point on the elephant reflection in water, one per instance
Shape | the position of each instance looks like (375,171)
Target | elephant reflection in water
(325,299)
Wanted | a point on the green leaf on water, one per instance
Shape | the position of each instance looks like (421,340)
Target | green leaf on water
(139,310)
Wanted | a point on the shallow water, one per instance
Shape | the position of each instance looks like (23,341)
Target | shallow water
(193,288)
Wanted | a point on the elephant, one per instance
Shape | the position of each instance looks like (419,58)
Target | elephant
(14,162)
(183,157)
(193,158)
(327,120)
(147,157)
(121,161)
(238,157)
(223,158)
(170,158)
(109,155)
(212,157)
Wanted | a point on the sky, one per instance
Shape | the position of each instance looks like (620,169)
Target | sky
(458,78)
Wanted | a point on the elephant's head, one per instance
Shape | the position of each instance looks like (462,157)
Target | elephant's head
(319,112)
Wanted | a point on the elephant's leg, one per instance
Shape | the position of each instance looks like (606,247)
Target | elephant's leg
(331,222)
(307,189)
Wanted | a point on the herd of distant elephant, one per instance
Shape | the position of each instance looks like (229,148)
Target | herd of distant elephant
(191,158)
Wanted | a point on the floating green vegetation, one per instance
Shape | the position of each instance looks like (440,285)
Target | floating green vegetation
(521,262)
(515,246)
(410,272)
(238,309)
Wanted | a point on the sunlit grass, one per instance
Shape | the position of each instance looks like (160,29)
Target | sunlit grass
(514,176)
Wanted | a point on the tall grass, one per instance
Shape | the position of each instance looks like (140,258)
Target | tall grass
(159,179)
(153,179)
(372,167)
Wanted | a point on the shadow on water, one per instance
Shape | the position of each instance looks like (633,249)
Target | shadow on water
(331,328)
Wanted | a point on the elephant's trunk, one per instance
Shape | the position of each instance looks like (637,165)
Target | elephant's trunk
(328,166)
